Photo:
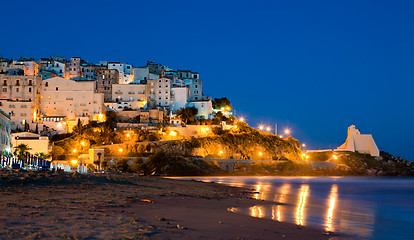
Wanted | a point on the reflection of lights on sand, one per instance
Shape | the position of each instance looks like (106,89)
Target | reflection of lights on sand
(256,195)
(257,211)
(276,213)
(300,215)
(329,216)
(281,198)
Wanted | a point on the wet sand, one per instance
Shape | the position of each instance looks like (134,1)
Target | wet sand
(46,205)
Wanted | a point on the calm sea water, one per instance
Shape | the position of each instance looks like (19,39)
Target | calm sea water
(363,207)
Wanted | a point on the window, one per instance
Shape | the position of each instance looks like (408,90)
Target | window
(103,76)
(196,98)
(103,82)
(30,82)
(195,86)
(57,89)
(4,89)
(4,82)
(47,84)
(30,89)
(17,82)
(17,89)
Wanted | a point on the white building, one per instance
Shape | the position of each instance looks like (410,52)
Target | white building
(204,107)
(142,74)
(21,113)
(71,99)
(134,94)
(162,92)
(357,142)
(4,133)
(36,143)
(179,96)
(30,67)
(59,68)
(126,71)
(19,87)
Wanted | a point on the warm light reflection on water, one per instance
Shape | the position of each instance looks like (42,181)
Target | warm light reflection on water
(257,211)
(365,208)
(300,213)
(280,197)
(329,217)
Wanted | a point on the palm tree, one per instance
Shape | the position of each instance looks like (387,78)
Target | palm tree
(42,155)
(21,150)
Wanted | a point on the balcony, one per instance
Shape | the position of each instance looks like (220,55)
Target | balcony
(118,92)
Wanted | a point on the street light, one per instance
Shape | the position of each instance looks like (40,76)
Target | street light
(260,153)
(261,127)
(74,150)
(287,131)
(128,135)
(221,152)
(268,129)
(121,150)
(83,143)
(303,145)
(241,119)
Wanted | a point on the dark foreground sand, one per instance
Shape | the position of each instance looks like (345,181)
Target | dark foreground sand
(46,205)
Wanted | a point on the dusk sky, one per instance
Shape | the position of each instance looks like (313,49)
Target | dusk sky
(316,67)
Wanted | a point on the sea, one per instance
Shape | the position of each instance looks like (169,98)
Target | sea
(357,207)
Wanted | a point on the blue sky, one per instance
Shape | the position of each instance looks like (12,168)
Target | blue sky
(313,66)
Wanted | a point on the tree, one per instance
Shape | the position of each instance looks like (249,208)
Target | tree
(187,114)
(42,155)
(79,127)
(21,150)
(219,103)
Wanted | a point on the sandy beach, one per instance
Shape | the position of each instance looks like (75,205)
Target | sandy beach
(51,205)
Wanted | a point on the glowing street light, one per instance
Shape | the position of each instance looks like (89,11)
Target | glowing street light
(128,135)
(74,162)
(74,150)
(260,153)
(83,143)
(268,129)
(261,127)
(221,152)
(335,157)
(121,150)
(241,119)
(307,157)
(287,131)
(303,145)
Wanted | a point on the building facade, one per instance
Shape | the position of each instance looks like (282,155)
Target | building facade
(71,99)
(106,78)
(4,133)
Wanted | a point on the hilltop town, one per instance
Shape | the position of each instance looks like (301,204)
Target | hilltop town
(151,119)
(54,98)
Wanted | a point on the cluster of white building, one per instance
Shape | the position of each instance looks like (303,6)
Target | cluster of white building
(54,93)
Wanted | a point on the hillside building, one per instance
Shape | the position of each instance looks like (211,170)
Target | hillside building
(4,133)
(357,142)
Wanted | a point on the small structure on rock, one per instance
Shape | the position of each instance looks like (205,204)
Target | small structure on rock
(357,142)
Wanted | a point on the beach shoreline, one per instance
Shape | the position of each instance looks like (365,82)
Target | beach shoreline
(51,205)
